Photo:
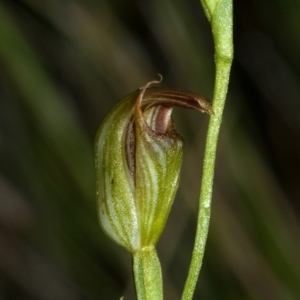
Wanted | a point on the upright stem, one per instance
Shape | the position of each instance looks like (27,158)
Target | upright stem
(220,17)
(147,274)
(207,184)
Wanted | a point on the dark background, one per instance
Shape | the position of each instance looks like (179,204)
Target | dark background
(64,64)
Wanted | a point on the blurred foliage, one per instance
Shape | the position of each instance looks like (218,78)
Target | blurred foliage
(64,64)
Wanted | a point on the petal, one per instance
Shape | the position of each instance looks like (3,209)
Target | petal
(158,162)
(158,156)
(115,188)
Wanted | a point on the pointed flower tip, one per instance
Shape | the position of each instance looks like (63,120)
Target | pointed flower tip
(173,98)
(138,160)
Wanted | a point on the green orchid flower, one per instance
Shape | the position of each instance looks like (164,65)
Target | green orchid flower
(138,161)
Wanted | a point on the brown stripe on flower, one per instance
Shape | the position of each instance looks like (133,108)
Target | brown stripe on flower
(158,103)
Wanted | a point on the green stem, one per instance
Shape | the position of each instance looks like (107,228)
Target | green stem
(221,21)
(147,274)
(207,183)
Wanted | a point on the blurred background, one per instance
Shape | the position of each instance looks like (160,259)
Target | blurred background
(63,66)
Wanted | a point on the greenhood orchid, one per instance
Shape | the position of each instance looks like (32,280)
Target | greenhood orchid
(138,160)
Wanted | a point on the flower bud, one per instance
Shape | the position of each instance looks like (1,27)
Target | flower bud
(138,160)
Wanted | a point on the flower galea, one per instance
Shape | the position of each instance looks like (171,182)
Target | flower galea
(138,157)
